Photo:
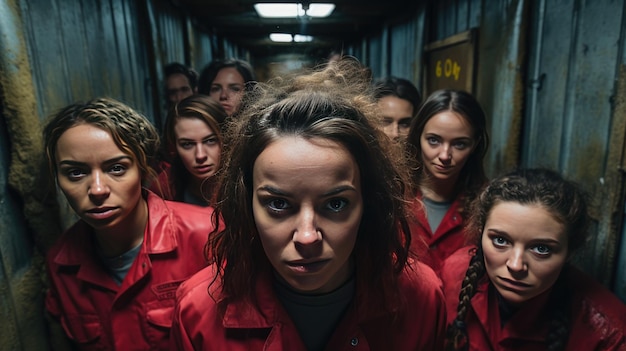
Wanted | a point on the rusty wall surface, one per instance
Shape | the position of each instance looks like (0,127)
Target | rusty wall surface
(574,57)
(21,213)
(53,53)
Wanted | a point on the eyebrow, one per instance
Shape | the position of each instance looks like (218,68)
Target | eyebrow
(77,163)
(532,241)
(335,191)
(203,138)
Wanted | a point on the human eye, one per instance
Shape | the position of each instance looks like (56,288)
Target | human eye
(461,145)
(336,205)
(74,174)
(541,250)
(236,88)
(185,89)
(405,124)
(211,141)
(499,241)
(277,205)
(117,169)
(215,89)
(387,121)
(187,145)
(432,140)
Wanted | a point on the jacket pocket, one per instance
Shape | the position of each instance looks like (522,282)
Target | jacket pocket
(158,324)
(161,317)
(83,329)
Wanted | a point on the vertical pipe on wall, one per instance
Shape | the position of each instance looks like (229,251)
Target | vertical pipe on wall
(536,75)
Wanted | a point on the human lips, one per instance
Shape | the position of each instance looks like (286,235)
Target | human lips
(227,107)
(307,266)
(100,213)
(511,284)
(203,168)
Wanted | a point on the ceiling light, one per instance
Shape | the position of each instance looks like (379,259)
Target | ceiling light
(283,10)
(276,10)
(281,37)
(317,10)
(299,38)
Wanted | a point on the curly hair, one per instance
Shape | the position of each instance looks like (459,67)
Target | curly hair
(567,204)
(131,132)
(333,103)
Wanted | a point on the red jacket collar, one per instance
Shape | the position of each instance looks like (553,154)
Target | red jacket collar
(159,237)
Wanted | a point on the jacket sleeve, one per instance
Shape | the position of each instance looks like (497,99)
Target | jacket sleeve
(179,339)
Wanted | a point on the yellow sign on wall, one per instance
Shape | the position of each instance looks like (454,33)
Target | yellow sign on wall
(450,63)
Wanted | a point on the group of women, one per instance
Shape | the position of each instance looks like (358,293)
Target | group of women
(317,231)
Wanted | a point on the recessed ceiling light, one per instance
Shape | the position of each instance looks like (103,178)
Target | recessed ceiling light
(287,10)
(281,37)
(318,10)
(299,38)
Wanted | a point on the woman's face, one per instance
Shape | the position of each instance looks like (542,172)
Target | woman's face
(101,182)
(397,115)
(198,147)
(227,88)
(525,248)
(307,207)
(447,141)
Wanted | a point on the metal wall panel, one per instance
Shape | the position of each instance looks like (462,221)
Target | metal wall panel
(574,54)
(406,47)
(80,50)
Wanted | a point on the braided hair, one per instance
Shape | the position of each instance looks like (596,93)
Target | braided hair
(568,205)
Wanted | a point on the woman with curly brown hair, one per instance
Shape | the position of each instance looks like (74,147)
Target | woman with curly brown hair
(314,254)
(113,274)
(515,289)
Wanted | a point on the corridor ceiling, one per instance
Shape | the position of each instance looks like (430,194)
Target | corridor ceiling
(238,22)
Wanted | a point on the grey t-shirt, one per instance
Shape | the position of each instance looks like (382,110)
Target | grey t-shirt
(435,211)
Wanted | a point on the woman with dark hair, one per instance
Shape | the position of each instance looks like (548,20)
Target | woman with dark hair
(314,252)
(448,140)
(514,289)
(113,274)
(398,100)
(193,142)
(227,81)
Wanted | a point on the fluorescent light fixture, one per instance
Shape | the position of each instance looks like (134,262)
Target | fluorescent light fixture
(281,37)
(299,38)
(317,10)
(272,10)
(285,10)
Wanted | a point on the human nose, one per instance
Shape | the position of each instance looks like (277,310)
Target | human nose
(515,261)
(306,231)
(98,187)
(395,131)
(179,96)
(224,94)
(200,152)
(445,154)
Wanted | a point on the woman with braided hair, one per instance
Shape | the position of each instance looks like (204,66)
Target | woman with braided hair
(515,290)
(113,274)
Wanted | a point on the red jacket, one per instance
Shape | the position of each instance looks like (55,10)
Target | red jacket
(433,248)
(100,315)
(163,184)
(197,325)
(598,317)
